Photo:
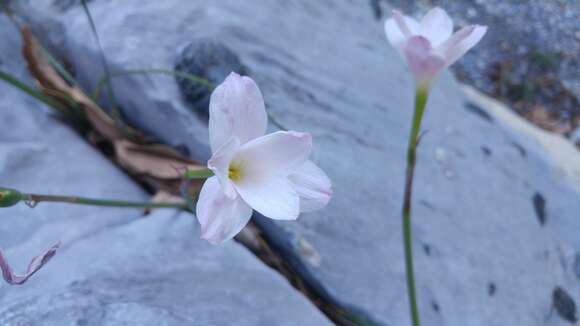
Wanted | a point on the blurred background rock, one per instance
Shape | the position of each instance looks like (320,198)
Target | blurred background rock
(529,58)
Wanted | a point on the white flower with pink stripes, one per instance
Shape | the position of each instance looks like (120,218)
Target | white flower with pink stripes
(429,46)
(254,171)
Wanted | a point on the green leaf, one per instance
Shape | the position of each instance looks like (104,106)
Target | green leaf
(32,92)
(175,73)
(101,51)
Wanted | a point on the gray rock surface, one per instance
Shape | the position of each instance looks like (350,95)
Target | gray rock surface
(115,267)
(484,256)
(210,60)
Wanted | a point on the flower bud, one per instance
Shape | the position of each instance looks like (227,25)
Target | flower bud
(9,197)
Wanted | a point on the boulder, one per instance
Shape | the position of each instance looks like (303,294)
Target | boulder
(115,266)
(494,219)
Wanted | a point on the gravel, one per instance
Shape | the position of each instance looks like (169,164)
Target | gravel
(529,57)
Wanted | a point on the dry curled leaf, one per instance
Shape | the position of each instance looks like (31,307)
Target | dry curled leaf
(164,197)
(156,160)
(157,165)
(52,84)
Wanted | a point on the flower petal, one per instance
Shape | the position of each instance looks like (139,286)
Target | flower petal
(219,163)
(220,217)
(395,35)
(36,263)
(407,25)
(274,155)
(460,42)
(236,110)
(399,29)
(272,197)
(312,185)
(423,62)
(436,26)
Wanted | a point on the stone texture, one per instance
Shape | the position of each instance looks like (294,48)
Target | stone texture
(482,256)
(208,59)
(115,267)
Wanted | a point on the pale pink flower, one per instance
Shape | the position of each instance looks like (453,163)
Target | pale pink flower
(253,171)
(35,264)
(429,46)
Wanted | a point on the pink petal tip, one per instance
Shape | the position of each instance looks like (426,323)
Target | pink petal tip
(35,264)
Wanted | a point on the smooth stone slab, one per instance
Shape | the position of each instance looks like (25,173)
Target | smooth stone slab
(483,255)
(115,267)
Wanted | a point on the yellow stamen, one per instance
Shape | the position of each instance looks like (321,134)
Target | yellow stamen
(234,172)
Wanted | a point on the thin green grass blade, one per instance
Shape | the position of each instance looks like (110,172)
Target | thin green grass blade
(59,68)
(116,113)
(72,114)
(106,79)
(101,51)
(275,122)
(32,92)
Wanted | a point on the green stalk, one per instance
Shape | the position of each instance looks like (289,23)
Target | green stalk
(60,68)
(198,174)
(420,101)
(110,92)
(276,123)
(10,197)
(28,90)
(107,78)
(34,199)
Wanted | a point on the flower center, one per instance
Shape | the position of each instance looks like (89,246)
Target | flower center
(234,171)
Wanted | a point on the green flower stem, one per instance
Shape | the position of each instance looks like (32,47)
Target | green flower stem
(197,174)
(420,101)
(10,197)
(33,199)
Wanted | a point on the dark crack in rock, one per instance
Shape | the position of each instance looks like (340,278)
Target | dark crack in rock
(377,9)
(64,5)
(427,249)
(564,305)
(478,111)
(486,151)
(540,207)
(435,306)
(520,149)
(208,59)
(577,265)
(491,288)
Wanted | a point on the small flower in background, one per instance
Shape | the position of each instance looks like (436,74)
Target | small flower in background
(268,173)
(36,264)
(430,46)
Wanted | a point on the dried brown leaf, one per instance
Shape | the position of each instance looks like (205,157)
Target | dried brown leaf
(158,161)
(157,165)
(162,197)
(55,86)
